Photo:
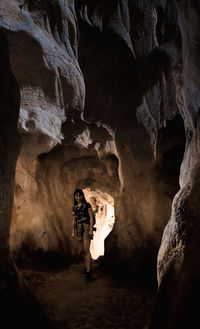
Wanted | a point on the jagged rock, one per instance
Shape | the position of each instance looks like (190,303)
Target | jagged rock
(108,99)
(100,148)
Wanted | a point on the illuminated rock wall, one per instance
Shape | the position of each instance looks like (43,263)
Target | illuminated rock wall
(109,140)
(109,100)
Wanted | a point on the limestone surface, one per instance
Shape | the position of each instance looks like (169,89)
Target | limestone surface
(104,95)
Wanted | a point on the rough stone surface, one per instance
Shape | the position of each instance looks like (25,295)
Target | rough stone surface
(108,99)
(178,263)
(113,145)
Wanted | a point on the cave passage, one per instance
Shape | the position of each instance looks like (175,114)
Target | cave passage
(103,204)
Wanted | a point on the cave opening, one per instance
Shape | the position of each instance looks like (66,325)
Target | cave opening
(103,205)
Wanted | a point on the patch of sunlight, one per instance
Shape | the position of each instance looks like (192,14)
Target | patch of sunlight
(103,205)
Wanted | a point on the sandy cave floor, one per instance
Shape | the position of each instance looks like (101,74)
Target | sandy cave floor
(70,302)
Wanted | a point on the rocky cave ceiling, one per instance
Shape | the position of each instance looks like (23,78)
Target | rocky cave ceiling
(103,95)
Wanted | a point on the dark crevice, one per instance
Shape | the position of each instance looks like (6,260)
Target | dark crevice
(170,151)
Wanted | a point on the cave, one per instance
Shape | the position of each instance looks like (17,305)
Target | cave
(102,96)
(103,203)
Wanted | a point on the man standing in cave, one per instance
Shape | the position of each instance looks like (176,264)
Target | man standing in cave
(82,228)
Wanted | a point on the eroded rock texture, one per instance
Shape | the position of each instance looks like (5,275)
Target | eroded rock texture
(13,292)
(178,262)
(114,144)
(125,60)
(42,40)
(108,95)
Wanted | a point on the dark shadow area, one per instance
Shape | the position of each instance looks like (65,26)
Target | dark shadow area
(103,302)
(170,151)
(19,308)
(114,77)
(143,273)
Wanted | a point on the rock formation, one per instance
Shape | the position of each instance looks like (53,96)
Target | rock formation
(108,99)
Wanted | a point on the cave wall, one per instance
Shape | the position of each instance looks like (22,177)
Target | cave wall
(17,305)
(109,99)
(178,262)
(129,57)
(42,49)
(9,150)
(113,131)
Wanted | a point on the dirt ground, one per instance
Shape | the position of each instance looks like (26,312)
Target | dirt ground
(70,302)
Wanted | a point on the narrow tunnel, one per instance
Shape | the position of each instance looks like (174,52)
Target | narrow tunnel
(108,104)
(43,195)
